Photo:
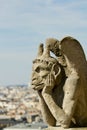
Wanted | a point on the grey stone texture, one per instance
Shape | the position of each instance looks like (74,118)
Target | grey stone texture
(61,82)
(60,128)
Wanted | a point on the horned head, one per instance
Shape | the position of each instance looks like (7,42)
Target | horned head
(43,65)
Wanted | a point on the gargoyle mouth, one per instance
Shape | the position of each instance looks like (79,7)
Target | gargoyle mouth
(38,86)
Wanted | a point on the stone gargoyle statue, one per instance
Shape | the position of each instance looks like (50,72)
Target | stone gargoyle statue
(61,82)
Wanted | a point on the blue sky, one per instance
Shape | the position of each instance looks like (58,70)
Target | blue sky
(26,23)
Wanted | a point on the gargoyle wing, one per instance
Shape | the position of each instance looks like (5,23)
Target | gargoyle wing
(74,54)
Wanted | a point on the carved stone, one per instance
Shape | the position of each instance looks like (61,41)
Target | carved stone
(60,128)
(61,82)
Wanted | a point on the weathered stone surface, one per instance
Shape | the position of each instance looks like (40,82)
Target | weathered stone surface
(61,82)
(60,128)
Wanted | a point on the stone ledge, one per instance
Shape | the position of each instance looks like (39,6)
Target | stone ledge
(60,128)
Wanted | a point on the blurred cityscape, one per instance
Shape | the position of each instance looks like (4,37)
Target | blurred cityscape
(19,104)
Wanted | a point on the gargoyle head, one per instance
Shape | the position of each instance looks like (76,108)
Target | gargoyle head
(43,65)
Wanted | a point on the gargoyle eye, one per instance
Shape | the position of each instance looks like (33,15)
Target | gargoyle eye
(37,69)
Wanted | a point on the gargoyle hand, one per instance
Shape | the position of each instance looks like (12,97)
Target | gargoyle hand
(50,83)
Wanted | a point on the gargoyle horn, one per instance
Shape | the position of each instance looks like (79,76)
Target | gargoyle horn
(40,50)
(46,52)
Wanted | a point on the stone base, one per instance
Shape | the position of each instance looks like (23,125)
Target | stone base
(60,128)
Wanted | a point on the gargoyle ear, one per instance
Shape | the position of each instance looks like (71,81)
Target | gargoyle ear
(56,70)
(40,50)
(57,74)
